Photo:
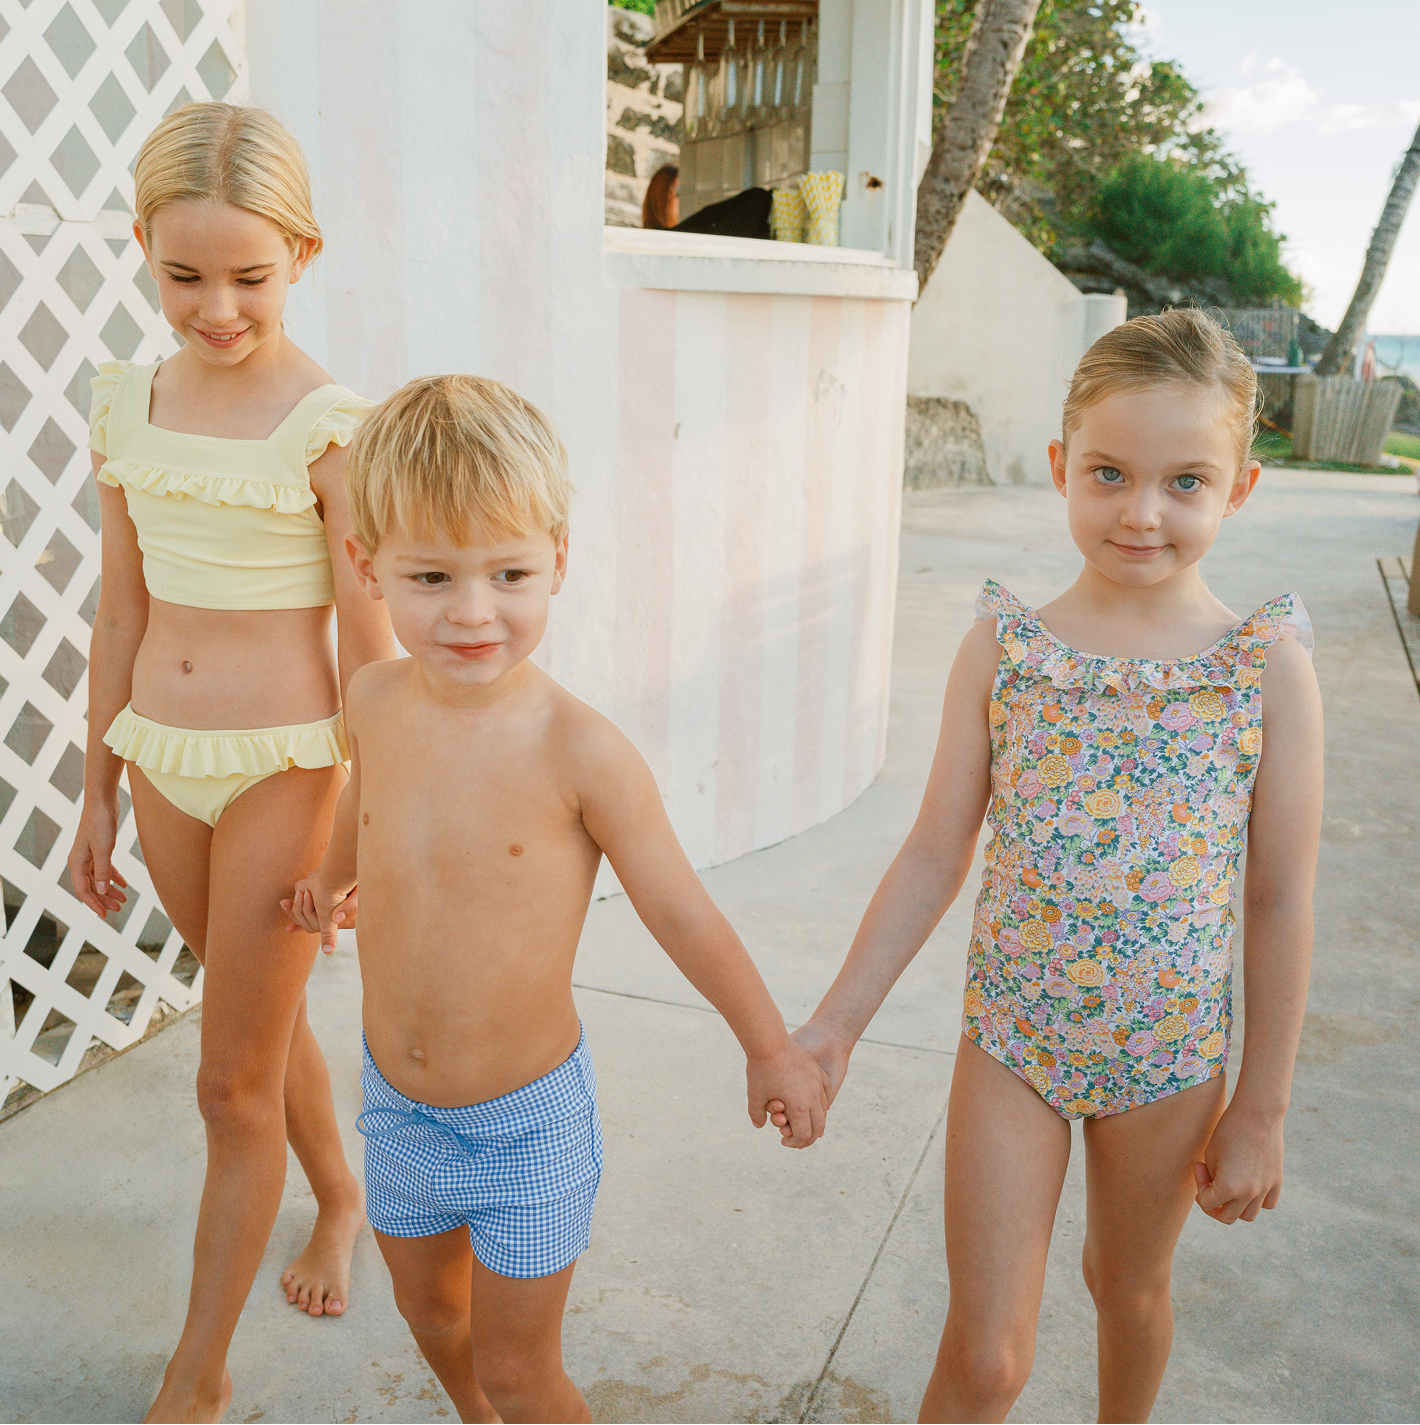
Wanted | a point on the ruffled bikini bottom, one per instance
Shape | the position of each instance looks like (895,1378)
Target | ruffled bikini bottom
(203,772)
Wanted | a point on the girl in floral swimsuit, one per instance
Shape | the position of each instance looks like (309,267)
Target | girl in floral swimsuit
(1114,739)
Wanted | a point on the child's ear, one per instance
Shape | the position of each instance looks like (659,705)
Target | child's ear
(559,569)
(143,247)
(364,567)
(1057,464)
(1243,486)
(300,259)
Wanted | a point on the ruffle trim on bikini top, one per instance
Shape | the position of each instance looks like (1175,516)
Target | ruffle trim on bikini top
(249,752)
(209,489)
(335,426)
(1033,649)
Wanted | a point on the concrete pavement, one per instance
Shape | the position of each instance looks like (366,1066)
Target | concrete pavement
(729,1279)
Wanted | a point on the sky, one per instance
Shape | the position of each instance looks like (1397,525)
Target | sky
(1319,100)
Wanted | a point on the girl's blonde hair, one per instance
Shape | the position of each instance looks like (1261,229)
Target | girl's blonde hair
(460,455)
(1182,347)
(225,153)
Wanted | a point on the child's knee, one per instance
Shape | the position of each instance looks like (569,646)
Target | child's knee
(1128,1295)
(236,1101)
(991,1368)
(431,1314)
(508,1376)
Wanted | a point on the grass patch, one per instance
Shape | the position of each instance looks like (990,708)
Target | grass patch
(1274,447)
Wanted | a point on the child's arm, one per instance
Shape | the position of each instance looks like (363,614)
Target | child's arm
(362,624)
(622,811)
(927,873)
(1241,1171)
(324,901)
(119,627)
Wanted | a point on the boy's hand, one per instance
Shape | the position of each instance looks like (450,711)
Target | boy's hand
(319,911)
(1241,1171)
(792,1079)
(830,1050)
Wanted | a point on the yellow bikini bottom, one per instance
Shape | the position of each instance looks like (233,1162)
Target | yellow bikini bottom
(203,772)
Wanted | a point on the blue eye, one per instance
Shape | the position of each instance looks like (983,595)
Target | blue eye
(1188,482)
(1108,475)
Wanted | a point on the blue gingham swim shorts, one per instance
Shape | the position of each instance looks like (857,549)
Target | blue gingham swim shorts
(521,1171)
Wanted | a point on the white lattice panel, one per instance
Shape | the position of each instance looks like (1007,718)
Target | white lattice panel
(82,83)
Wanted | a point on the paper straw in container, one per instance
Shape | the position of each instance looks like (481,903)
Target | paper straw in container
(823,196)
(787,215)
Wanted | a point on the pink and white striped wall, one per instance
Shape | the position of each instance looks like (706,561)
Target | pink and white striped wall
(738,457)
(759,460)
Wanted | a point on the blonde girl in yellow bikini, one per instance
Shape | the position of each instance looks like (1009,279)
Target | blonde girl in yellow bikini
(212,676)
(1122,741)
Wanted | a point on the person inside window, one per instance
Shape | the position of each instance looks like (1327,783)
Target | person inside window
(660,208)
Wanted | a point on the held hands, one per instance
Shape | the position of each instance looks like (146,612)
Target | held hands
(1241,1171)
(830,1050)
(96,883)
(320,911)
(789,1083)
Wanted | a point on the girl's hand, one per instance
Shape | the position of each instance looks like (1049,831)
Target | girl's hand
(321,912)
(792,1080)
(830,1050)
(96,883)
(1241,1171)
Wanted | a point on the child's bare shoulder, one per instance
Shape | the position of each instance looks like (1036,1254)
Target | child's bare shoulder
(591,748)
(1289,670)
(372,685)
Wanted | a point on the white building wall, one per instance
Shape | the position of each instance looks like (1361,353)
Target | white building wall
(999,328)
(738,455)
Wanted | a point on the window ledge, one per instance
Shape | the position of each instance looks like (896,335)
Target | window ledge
(701,262)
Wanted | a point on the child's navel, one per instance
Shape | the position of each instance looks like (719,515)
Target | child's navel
(366,820)
(515,850)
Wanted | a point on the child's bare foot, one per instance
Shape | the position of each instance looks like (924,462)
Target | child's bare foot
(186,1402)
(318,1281)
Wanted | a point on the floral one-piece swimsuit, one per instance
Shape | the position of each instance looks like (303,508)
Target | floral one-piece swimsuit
(1101,951)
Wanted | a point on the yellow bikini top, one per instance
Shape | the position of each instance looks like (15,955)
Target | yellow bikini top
(223,524)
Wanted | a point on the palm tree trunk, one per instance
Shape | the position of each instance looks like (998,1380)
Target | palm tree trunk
(1341,348)
(968,129)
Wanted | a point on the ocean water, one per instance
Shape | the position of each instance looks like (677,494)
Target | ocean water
(1398,354)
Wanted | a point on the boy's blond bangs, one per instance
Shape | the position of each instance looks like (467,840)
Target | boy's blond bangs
(1180,347)
(457,455)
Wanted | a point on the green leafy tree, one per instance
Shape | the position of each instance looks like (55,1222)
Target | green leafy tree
(1170,219)
(1085,101)
(644,7)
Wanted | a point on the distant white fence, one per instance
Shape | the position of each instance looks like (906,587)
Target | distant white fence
(82,82)
(1340,418)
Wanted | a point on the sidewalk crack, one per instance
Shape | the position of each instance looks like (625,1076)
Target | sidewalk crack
(817,1390)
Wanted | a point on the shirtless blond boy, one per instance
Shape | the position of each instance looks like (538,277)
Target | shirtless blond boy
(482,798)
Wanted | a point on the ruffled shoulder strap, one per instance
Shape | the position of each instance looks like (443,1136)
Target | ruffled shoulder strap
(105,388)
(1275,619)
(335,420)
(995,602)
(1018,627)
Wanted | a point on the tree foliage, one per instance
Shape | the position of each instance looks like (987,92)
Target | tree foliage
(1086,104)
(1169,219)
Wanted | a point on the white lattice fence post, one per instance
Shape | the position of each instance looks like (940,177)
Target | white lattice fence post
(82,82)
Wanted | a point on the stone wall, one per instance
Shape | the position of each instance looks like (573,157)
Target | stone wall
(643,104)
(942,445)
